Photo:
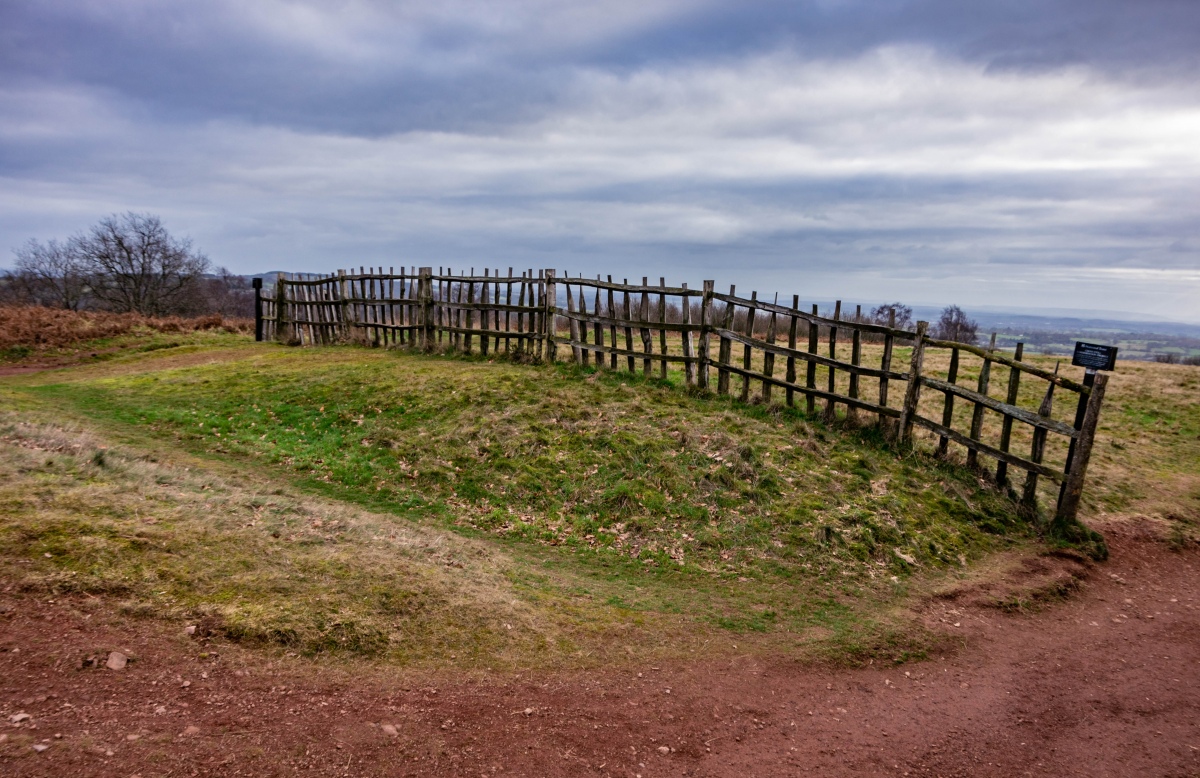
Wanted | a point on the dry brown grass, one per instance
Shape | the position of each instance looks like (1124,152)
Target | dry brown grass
(38,329)
(265,565)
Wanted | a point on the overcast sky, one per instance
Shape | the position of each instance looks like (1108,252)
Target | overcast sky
(1029,154)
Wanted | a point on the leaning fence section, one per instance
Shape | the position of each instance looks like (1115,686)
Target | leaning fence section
(764,348)
(997,406)
(491,313)
(630,326)
(918,389)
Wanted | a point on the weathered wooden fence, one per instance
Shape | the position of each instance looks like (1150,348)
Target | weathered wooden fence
(912,385)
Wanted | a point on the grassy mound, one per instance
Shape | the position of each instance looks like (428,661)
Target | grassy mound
(571,516)
(599,465)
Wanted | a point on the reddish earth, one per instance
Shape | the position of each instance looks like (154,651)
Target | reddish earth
(1105,684)
(21,368)
(6,370)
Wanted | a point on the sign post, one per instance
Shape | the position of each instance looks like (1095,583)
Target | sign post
(256,284)
(1091,357)
(1094,356)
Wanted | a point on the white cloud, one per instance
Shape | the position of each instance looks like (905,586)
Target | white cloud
(893,164)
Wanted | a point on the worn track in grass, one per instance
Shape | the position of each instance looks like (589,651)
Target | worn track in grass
(1104,684)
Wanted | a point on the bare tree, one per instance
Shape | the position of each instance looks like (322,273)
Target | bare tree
(956,326)
(51,275)
(882,314)
(134,264)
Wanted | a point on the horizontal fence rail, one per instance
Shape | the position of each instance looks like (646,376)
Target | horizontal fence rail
(838,364)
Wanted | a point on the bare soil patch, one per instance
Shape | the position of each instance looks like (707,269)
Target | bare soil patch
(1104,682)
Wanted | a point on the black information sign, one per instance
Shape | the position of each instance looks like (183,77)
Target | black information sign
(1094,356)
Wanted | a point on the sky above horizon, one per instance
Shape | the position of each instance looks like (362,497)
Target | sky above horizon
(1030,154)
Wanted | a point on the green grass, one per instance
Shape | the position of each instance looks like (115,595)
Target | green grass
(607,465)
(594,516)
(1147,455)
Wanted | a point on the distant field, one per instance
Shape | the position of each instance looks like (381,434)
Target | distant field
(1143,347)
(441,510)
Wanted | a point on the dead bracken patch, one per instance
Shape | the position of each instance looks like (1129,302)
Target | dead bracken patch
(25,330)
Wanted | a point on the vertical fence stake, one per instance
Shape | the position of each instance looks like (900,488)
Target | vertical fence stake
(425,301)
(579,328)
(885,364)
(548,318)
(613,359)
(791,361)
(572,324)
(280,304)
(856,360)
(948,403)
(662,333)
(1014,385)
(705,329)
(913,394)
(810,372)
(685,342)
(747,351)
(344,304)
(483,312)
(769,359)
(725,346)
(985,377)
(830,405)
(1037,450)
(644,315)
(1068,506)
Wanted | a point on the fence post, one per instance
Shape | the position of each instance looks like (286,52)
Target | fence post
(913,395)
(425,302)
(985,377)
(343,307)
(725,347)
(705,329)
(256,284)
(1068,506)
(1037,450)
(1089,380)
(280,305)
(549,316)
(1014,386)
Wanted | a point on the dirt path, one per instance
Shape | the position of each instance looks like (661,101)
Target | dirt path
(1107,684)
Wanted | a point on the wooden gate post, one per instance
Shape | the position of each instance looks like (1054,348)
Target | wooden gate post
(256,284)
(425,305)
(913,395)
(1068,506)
(280,305)
(548,318)
(705,329)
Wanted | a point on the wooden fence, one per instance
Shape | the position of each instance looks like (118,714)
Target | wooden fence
(912,385)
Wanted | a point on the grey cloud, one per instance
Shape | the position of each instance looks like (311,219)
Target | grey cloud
(374,69)
(911,149)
